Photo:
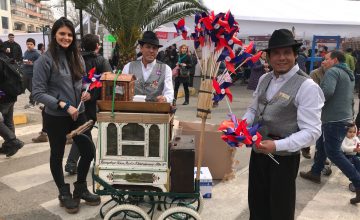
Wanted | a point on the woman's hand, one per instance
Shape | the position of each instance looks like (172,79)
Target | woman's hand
(73,112)
(183,64)
(85,96)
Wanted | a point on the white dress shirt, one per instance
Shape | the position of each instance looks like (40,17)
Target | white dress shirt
(309,101)
(168,91)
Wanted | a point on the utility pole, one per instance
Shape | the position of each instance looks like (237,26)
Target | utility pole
(81,23)
(65,12)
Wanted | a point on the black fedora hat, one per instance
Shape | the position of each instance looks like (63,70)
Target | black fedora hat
(282,38)
(150,38)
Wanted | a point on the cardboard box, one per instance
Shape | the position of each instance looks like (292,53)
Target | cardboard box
(205,182)
(217,155)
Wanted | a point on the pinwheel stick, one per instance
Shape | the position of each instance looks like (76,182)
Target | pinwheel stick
(201,144)
(228,104)
(273,158)
(87,88)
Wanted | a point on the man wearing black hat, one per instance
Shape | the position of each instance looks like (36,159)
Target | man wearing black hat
(154,79)
(287,104)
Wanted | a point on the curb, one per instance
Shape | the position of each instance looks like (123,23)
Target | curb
(20,119)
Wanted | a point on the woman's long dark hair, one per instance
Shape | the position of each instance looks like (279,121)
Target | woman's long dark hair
(72,52)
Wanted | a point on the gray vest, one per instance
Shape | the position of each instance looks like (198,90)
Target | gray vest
(154,85)
(278,116)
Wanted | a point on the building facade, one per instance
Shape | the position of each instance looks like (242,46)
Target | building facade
(5,17)
(30,16)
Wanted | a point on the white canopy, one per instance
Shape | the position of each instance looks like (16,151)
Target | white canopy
(292,11)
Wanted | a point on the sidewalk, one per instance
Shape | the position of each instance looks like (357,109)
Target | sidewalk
(328,200)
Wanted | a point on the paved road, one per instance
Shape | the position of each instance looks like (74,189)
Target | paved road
(28,192)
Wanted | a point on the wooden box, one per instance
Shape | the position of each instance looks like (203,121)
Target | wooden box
(125,106)
(124,87)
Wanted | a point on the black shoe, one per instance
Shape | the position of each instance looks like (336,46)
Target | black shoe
(357,197)
(3,150)
(309,176)
(186,103)
(81,192)
(71,168)
(13,146)
(66,200)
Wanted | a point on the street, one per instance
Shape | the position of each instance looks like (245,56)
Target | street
(28,192)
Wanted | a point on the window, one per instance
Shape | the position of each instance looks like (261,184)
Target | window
(112,142)
(3,5)
(154,141)
(5,22)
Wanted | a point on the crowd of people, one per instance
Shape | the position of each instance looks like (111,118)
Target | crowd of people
(280,79)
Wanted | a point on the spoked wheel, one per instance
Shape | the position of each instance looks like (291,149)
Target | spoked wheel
(196,204)
(129,212)
(179,213)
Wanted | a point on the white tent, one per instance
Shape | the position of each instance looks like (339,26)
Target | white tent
(306,17)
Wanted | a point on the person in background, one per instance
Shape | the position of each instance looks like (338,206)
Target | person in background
(349,59)
(41,48)
(11,143)
(90,44)
(290,120)
(337,115)
(257,70)
(30,56)
(301,59)
(154,79)
(57,83)
(173,55)
(351,147)
(193,68)
(13,49)
(183,77)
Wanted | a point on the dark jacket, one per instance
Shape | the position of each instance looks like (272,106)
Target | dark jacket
(15,50)
(187,60)
(102,65)
(6,98)
(256,72)
(301,60)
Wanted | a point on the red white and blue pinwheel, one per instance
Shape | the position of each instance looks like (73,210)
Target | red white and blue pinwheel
(236,132)
(181,29)
(92,79)
(222,90)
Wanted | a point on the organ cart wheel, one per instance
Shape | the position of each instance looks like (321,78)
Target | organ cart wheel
(179,213)
(196,204)
(130,212)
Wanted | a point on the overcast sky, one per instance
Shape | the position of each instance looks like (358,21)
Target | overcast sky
(319,10)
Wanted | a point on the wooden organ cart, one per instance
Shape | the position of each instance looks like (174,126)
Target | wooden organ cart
(132,156)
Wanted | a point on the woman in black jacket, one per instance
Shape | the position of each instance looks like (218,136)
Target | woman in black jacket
(184,64)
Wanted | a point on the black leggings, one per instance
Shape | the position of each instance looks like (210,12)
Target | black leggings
(57,128)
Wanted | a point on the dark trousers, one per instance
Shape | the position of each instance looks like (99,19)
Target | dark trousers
(7,128)
(329,145)
(74,154)
(28,86)
(57,128)
(272,187)
(185,82)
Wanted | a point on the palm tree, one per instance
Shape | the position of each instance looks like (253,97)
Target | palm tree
(127,19)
